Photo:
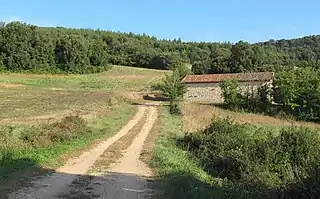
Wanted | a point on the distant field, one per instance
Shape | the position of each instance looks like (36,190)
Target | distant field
(31,98)
(118,78)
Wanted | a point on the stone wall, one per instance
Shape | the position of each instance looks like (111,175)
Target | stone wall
(211,92)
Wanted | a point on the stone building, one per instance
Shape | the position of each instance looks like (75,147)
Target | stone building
(206,88)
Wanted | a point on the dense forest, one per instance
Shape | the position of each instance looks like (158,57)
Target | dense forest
(25,47)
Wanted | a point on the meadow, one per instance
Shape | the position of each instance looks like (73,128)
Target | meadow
(32,97)
(47,119)
(209,152)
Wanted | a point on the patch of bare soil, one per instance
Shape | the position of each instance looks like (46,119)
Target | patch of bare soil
(115,151)
(50,186)
(131,95)
(149,143)
(81,186)
(10,85)
(128,178)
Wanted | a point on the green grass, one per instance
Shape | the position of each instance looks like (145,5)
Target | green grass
(118,78)
(24,158)
(179,176)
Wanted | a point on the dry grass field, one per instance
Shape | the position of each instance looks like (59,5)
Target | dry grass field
(33,98)
(197,116)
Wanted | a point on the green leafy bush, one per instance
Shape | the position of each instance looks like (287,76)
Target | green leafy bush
(231,93)
(298,92)
(257,159)
(158,85)
(175,108)
(174,88)
(258,101)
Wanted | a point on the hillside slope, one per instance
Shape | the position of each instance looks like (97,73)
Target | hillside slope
(64,50)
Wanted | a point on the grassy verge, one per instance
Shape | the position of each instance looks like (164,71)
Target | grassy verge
(230,160)
(177,174)
(24,159)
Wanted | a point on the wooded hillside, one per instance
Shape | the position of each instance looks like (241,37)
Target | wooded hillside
(26,47)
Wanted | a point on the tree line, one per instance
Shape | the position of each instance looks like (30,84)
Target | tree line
(25,47)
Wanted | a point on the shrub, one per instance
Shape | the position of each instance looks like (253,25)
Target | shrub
(299,93)
(257,159)
(250,99)
(295,93)
(174,108)
(68,128)
(231,93)
(174,89)
(5,156)
(157,85)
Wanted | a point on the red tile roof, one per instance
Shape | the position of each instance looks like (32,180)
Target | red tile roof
(241,77)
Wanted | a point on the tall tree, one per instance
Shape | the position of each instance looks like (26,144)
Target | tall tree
(221,60)
(240,58)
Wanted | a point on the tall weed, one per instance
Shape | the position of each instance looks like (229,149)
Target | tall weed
(70,127)
(67,129)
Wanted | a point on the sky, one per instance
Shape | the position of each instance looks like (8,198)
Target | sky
(201,20)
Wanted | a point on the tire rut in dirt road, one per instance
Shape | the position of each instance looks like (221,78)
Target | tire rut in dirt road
(49,187)
(81,186)
(128,178)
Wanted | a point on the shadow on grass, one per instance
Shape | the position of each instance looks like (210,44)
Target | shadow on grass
(307,188)
(182,185)
(224,168)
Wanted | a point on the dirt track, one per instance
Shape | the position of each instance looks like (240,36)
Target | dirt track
(125,179)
